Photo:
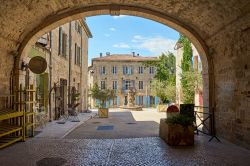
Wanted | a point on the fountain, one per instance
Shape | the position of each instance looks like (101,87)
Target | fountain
(131,101)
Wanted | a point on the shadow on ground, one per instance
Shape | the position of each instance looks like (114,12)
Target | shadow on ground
(118,125)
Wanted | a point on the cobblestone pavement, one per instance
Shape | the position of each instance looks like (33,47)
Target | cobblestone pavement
(59,130)
(150,151)
(123,123)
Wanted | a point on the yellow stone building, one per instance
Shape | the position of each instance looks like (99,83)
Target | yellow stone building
(121,72)
(65,49)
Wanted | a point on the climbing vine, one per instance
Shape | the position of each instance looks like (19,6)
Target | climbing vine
(188,76)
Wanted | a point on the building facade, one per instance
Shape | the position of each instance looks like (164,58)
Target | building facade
(121,72)
(65,49)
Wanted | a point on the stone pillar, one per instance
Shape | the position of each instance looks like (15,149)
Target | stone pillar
(179,55)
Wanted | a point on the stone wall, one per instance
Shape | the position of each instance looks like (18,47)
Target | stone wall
(230,50)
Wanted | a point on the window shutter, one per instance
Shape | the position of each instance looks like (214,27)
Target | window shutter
(66,45)
(75,52)
(156,100)
(60,41)
(145,101)
(137,100)
(118,100)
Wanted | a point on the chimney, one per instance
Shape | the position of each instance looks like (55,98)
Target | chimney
(100,55)
(133,53)
(107,53)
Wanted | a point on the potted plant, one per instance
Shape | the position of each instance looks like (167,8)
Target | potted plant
(103,95)
(177,130)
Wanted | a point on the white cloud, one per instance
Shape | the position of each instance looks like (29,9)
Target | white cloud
(118,17)
(121,45)
(112,29)
(107,35)
(155,44)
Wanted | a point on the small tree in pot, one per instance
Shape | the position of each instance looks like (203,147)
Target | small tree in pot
(103,95)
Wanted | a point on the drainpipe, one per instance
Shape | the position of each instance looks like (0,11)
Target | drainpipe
(50,76)
(70,43)
(81,88)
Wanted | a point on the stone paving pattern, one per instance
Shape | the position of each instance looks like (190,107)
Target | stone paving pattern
(55,130)
(126,124)
(151,151)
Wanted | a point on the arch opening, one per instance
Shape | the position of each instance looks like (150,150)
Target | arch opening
(113,9)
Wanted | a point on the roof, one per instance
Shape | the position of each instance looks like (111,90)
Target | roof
(124,58)
(85,27)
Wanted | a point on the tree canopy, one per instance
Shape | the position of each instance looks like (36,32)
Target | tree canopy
(163,84)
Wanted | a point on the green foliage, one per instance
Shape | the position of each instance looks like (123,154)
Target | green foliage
(163,84)
(186,64)
(164,90)
(188,76)
(165,67)
(183,120)
(102,95)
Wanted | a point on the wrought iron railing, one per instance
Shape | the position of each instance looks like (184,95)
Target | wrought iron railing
(204,121)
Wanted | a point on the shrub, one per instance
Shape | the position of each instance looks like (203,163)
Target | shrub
(180,119)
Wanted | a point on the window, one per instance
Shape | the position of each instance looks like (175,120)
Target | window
(127,70)
(140,84)
(77,54)
(140,70)
(114,70)
(78,27)
(127,84)
(103,70)
(114,85)
(151,70)
(63,42)
(103,85)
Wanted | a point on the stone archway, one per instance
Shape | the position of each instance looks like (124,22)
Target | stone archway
(219,30)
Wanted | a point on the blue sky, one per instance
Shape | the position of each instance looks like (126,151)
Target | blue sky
(126,34)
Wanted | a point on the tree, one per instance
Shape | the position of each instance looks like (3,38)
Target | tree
(188,76)
(163,84)
(102,94)
(164,90)
(165,67)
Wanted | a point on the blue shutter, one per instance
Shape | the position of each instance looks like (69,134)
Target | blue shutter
(118,100)
(148,101)
(123,70)
(137,100)
(97,101)
(106,104)
(156,100)
(145,101)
